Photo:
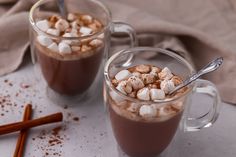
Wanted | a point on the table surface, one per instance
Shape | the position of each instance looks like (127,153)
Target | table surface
(91,136)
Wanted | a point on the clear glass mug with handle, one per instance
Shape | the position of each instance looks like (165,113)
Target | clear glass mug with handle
(138,137)
(71,73)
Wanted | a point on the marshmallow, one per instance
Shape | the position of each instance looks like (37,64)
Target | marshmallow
(71,17)
(143,94)
(177,80)
(61,25)
(75,48)
(165,74)
(85,30)
(134,107)
(143,68)
(163,111)
(101,36)
(147,111)
(43,25)
(136,82)
(85,48)
(64,48)
(98,23)
(87,19)
(137,74)
(53,32)
(167,86)
(43,40)
(115,97)
(123,74)
(124,87)
(148,78)
(53,47)
(157,94)
(74,25)
(69,35)
(96,42)
(155,71)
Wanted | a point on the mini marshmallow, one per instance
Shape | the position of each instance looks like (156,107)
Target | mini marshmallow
(117,98)
(148,78)
(123,74)
(53,47)
(69,35)
(64,48)
(74,25)
(167,86)
(177,80)
(87,19)
(163,112)
(137,74)
(134,107)
(157,94)
(124,87)
(143,68)
(85,48)
(155,71)
(53,32)
(143,94)
(43,40)
(136,82)
(43,25)
(147,111)
(75,48)
(85,30)
(96,42)
(61,25)
(165,74)
(101,36)
(71,17)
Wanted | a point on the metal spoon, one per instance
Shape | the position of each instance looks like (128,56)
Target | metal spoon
(212,66)
(62,8)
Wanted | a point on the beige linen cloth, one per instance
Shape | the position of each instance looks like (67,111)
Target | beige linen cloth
(202,29)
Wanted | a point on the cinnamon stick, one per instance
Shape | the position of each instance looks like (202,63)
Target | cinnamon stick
(9,128)
(22,137)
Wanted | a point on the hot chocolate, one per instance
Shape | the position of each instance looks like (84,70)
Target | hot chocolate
(68,61)
(144,129)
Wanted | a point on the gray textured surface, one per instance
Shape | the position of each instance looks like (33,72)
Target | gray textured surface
(91,136)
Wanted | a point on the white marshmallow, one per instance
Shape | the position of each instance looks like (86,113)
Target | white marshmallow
(53,47)
(137,74)
(143,94)
(143,68)
(87,18)
(64,48)
(167,86)
(148,78)
(43,25)
(155,71)
(74,25)
(115,97)
(133,107)
(43,40)
(147,111)
(136,82)
(164,112)
(85,31)
(96,42)
(165,74)
(71,17)
(75,48)
(123,74)
(69,35)
(157,94)
(124,87)
(53,32)
(61,25)
(101,36)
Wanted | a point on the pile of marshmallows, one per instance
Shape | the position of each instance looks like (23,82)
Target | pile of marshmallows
(76,25)
(145,83)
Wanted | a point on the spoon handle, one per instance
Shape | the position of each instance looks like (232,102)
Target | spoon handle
(62,8)
(212,66)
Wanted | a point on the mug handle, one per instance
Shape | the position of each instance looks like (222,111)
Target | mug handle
(206,120)
(120,27)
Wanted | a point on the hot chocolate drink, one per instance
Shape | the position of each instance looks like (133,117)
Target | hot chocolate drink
(143,124)
(69,62)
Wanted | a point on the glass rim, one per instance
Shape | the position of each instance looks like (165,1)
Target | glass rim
(41,2)
(164,51)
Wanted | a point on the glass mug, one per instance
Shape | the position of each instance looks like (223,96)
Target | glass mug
(73,75)
(147,138)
